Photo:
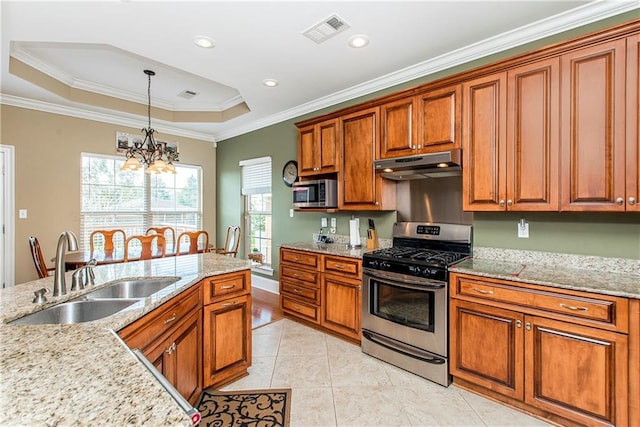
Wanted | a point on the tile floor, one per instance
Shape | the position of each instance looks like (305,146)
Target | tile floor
(335,384)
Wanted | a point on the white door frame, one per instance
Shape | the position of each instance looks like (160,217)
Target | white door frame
(8,201)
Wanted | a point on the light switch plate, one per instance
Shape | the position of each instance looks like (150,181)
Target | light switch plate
(290,213)
(333,226)
(523,232)
(22,213)
(323,222)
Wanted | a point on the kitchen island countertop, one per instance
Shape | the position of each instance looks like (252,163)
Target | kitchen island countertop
(82,374)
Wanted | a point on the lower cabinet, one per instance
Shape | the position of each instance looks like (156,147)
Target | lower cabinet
(227,340)
(550,363)
(178,357)
(341,309)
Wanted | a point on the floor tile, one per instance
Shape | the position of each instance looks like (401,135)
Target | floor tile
(312,407)
(299,344)
(265,345)
(368,406)
(357,369)
(301,371)
(494,414)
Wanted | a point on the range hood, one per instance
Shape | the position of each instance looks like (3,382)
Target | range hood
(430,165)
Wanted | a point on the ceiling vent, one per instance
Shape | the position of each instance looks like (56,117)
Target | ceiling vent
(326,28)
(187,94)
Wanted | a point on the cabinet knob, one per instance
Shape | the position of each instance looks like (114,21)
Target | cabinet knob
(527,326)
(632,200)
(171,348)
(501,203)
(509,202)
(518,324)
(619,201)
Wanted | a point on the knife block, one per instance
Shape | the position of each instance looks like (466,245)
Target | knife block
(372,239)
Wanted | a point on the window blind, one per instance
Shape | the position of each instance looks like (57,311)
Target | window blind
(256,176)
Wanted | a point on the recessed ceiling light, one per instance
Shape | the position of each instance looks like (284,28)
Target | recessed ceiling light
(203,41)
(359,40)
(270,82)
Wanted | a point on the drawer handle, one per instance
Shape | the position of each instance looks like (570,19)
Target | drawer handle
(296,275)
(229,303)
(171,348)
(170,319)
(339,266)
(228,287)
(297,291)
(482,291)
(295,258)
(573,307)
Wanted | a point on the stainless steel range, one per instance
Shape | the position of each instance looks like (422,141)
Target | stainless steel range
(405,297)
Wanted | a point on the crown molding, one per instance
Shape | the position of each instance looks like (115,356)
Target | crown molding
(81,113)
(556,24)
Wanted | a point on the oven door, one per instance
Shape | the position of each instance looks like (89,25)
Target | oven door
(407,309)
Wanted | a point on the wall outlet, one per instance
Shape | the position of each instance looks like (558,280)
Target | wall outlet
(290,213)
(333,226)
(323,222)
(22,214)
(523,229)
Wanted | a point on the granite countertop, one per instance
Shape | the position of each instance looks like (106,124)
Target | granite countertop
(338,248)
(609,276)
(82,373)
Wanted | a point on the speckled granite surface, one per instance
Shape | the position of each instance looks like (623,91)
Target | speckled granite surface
(82,374)
(338,248)
(610,276)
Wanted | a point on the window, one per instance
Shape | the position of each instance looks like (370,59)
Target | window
(135,201)
(256,189)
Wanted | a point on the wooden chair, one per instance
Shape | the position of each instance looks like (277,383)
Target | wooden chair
(231,242)
(163,231)
(193,238)
(38,259)
(108,236)
(147,246)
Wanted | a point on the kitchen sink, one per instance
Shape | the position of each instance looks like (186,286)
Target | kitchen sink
(141,288)
(76,312)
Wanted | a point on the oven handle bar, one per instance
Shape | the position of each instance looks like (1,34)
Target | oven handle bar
(404,280)
(400,348)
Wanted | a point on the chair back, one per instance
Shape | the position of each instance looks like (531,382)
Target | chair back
(146,243)
(108,238)
(231,242)
(193,238)
(168,232)
(38,259)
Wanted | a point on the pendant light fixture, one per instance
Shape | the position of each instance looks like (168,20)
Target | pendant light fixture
(157,157)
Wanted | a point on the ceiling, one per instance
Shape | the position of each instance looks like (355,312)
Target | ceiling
(86,58)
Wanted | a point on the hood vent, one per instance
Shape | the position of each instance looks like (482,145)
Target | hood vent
(431,165)
(327,28)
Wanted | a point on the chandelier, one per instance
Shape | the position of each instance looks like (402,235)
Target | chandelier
(156,156)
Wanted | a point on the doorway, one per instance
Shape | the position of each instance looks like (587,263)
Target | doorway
(7,229)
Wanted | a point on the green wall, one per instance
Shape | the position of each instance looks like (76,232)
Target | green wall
(615,235)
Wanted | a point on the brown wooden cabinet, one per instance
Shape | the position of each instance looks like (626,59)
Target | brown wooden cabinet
(399,130)
(559,354)
(318,148)
(360,188)
(593,128)
(633,130)
(226,327)
(171,338)
(322,289)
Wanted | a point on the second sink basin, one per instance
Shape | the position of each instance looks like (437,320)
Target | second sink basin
(75,312)
(141,288)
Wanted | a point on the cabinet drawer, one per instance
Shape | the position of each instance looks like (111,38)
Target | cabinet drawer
(145,330)
(312,295)
(301,258)
(297,308)
(580,306)
(345,266)
(226,284)
(294,273)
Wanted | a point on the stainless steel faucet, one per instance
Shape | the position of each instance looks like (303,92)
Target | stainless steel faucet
(83,276)
(69,241)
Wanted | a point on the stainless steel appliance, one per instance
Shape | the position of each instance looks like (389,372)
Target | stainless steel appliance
(321,193)
(405,297)
(421,166)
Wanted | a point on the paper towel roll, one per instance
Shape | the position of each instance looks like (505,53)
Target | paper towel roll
(354,232)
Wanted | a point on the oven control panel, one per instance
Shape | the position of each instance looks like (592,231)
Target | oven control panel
(431,230)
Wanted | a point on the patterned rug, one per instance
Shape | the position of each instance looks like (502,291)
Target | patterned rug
(246,408)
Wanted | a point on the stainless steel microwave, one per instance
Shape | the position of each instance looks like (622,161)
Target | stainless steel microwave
(321,193)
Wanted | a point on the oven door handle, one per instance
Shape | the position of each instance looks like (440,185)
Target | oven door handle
(397,347)
(405,281)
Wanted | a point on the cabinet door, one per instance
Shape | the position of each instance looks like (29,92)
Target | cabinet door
(484,106)
(308,151)
(399,128)
(227,340)
(359,137)
(633,118)
(577,372)
(487,347)
(327,135)
(533,136)
(341,306)
(440,119)
(593,128)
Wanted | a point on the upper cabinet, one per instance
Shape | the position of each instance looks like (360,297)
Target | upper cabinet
(360,188)
(425,123)
(318,148)
(593,128)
